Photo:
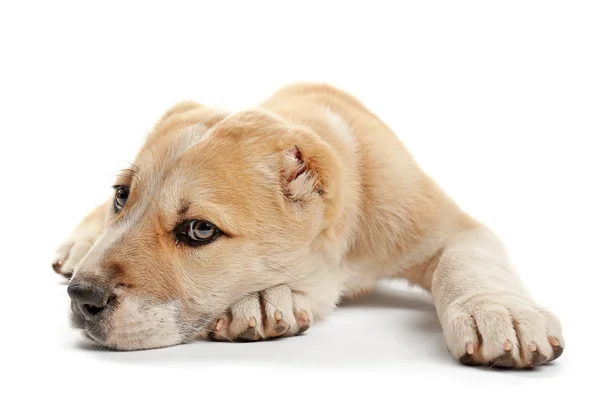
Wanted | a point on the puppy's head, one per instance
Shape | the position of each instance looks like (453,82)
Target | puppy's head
(215,207)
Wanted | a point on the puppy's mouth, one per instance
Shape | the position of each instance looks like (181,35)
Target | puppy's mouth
(134,324)
(94,330)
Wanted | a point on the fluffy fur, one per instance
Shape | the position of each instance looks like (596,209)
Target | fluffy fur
(317,199)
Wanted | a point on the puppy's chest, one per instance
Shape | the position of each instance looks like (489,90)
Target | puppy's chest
(361,276)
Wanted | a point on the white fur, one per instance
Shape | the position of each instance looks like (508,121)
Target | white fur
(189,137)
(139,321)
(247,314)
(340,126)
(475,290)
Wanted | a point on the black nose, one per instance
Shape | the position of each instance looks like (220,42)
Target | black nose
(90,299)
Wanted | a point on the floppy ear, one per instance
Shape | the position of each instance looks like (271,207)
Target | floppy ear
(187,113)
(310,169)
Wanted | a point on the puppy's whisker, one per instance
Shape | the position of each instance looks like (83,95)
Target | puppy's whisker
(217,333)
(292,276)
(205,320)
(285,274)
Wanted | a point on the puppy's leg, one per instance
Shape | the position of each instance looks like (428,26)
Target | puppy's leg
(487,316)
(274,312)
(74,248)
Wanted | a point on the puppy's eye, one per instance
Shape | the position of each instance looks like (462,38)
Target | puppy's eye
(198,232)
(121,195)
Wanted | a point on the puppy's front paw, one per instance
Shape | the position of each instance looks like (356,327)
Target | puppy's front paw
(275,312)
(70,252)
(73,249)
(501,331)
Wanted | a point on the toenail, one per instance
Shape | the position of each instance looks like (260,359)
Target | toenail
(532,347)
(278,315)
(302,315)
(470,349)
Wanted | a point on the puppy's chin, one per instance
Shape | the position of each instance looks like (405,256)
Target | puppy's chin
(95,332)
(77,320)
(136,324)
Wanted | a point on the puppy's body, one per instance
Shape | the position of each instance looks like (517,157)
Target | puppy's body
(393,219)
(317,199)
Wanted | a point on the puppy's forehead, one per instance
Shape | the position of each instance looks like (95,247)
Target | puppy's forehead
(162,149)
(251,131)
(213,170)
(220,169)
(225,162)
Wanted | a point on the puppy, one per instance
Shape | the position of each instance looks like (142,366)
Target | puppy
(251,225)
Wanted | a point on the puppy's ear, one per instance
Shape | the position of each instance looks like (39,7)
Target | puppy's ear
(310,169)
(300,179)
(187,113)
(179,108)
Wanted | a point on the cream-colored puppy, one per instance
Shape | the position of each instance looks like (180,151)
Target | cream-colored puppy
(250,225)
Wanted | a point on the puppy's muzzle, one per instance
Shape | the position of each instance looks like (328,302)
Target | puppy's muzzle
(90,300)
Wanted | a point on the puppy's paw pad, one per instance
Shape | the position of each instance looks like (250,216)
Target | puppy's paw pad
(249,335)
(557,348)
(303,321)
(507,360)
(278,326)
(537,358)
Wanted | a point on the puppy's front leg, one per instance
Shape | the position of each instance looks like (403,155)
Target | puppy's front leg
(487,316)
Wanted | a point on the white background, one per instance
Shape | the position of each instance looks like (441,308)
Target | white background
(499,101)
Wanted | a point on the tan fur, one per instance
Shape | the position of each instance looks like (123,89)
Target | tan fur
(315,194)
